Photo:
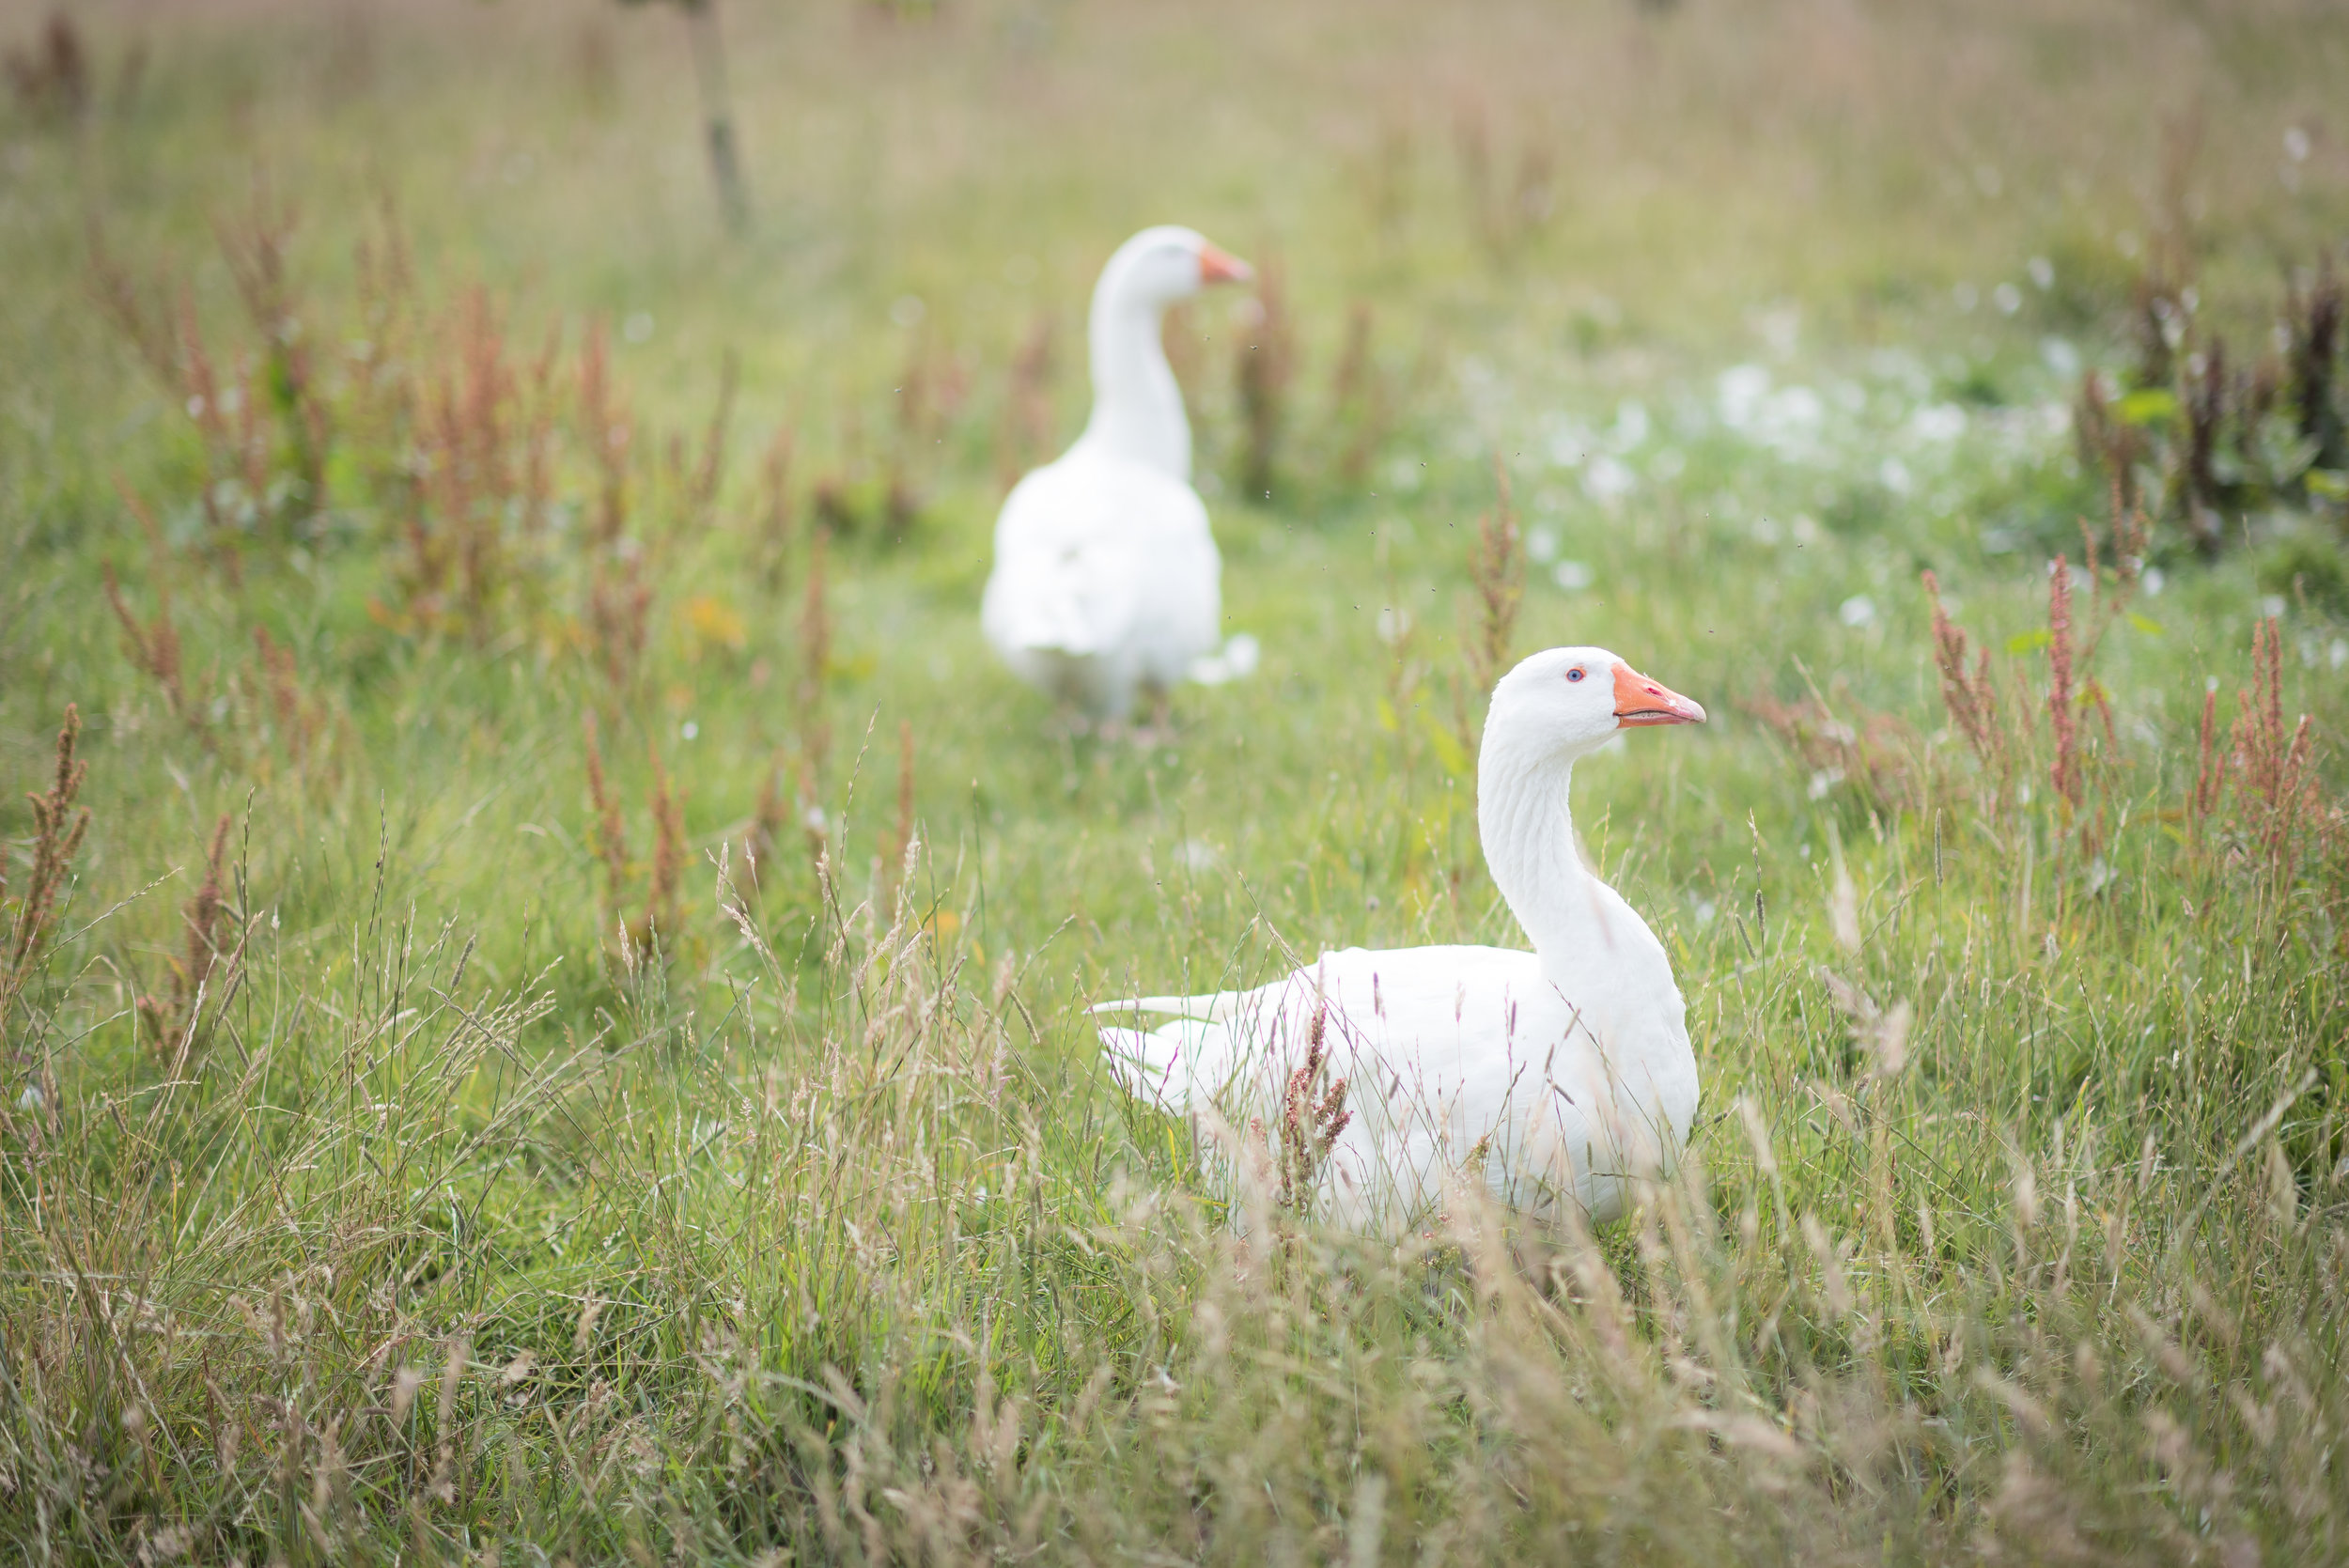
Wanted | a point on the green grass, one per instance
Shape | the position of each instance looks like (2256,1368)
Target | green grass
(454,1229)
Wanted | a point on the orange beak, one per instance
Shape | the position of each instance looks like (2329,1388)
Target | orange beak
(1640,702)
(1216,266)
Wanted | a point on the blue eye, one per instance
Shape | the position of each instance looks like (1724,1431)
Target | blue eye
(1575,674)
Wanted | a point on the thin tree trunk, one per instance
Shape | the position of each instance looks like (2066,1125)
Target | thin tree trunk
(709,66)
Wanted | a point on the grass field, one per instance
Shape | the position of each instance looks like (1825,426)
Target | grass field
(563,1038)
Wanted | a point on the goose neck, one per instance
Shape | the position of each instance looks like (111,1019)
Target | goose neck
(1136,405)
(1527,825)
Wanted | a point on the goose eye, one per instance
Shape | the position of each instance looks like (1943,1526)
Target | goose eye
(1575,674)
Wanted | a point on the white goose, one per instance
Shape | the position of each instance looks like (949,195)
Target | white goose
(1106,578)
(1565,1070)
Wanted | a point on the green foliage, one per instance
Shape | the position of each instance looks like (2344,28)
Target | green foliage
(2307,567)
(2206,444)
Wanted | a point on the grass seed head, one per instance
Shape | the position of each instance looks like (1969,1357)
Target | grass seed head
(2313,309)
(777,520)
(815,660)
(1264,362)
(51,78)
(662,914)
(2063,713)
(1970,692)
(60,824)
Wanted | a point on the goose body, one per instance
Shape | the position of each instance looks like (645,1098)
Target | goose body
(1563,1072)
(1107,580)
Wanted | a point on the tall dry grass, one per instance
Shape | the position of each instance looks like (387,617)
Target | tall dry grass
(850,1274)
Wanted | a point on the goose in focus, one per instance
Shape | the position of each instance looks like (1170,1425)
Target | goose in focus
(1567,1070)
(1107,580)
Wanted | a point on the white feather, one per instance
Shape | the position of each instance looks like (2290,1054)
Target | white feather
(1559,1075)
(1107,579)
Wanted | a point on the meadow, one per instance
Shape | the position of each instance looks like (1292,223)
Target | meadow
(543,966)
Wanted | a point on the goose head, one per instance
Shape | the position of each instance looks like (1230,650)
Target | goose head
(1160,265)
(1558,706)
(1566,702)
(1137,408)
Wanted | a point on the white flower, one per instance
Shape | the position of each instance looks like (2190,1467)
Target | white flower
(1856,611)
(1235,660)
(1607,480)
(1566,441)
(1786,422)
(1631,426)
(1797,406)
(1938,422)
(1741,389)
(1541,543)
(1573,576)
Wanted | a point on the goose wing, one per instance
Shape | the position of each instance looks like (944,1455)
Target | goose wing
(1100,558)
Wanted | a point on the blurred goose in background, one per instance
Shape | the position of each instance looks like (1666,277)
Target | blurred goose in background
(1567,1070)
(1106,579)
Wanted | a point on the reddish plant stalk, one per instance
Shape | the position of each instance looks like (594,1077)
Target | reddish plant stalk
(2065,774)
